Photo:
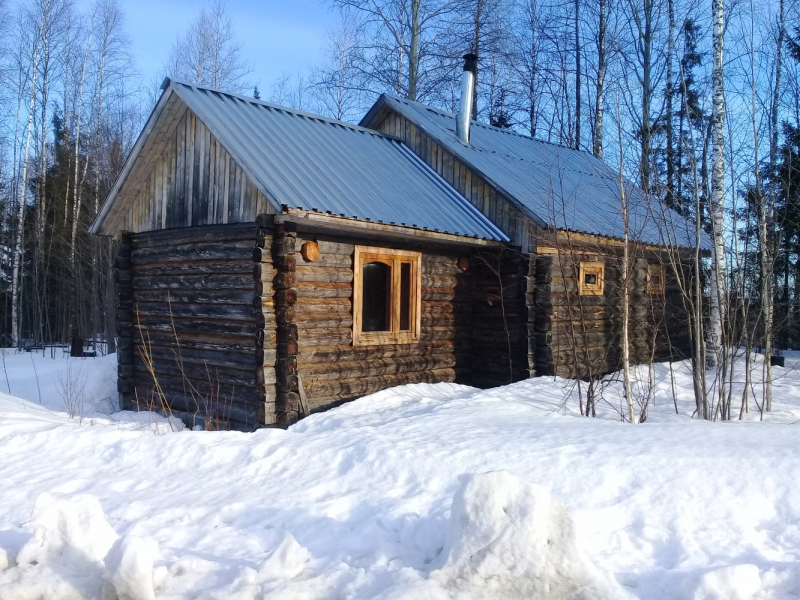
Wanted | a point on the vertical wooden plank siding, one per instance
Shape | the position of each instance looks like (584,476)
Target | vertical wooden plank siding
(193,181)
(190,137)
(497,208)
(226,188)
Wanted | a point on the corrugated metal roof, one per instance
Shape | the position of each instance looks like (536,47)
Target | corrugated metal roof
(306,161)
(554,185)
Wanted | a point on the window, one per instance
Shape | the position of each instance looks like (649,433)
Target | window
(656,279)
(591,278)
(387,295)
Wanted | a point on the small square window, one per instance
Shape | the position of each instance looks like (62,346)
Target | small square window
(656,279)
(591,278)
(387,294)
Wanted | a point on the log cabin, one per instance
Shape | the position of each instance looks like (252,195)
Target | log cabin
(271,263)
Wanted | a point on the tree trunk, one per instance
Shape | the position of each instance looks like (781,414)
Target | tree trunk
(767,297)
(717,189)
(413,58)
(476,44)
(23,199)
(577,76)
(597,142)
(76,198)
(668,94)
(41,198)
(646,44)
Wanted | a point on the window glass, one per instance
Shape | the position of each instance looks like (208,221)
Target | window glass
(590,278)
(656,280)
(375,314)
(405,296)
(386,296)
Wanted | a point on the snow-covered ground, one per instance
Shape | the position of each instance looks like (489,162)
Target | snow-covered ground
(423,491)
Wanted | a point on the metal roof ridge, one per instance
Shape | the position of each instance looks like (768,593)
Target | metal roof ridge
(287,109)
(486,126)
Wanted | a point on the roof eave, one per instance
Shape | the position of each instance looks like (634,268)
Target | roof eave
(339,223)
(366,121)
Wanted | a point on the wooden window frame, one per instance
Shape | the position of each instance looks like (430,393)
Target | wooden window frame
(660,271)
(587,268)
(392,258)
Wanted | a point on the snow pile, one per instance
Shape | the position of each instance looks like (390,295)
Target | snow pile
(73,552)
(287,561)
(511,539)
(74,526)
(129,569)
(63,556)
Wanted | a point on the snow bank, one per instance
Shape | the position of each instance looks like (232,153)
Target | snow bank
(129,569)
(81,387)
(371,495)
(510,539)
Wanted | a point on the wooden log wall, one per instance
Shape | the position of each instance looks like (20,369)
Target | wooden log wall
(203,325)
(287,400)
(333,370)
(579,336)
(123,284)
(492,204)
(184,178)
(503,351)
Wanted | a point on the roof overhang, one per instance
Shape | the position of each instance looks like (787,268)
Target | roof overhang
(96,226)
(339,224)
(567,240)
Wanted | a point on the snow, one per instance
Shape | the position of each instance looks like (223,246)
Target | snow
(739,582)
(287,561)
(129,569)
(74,524)
(422,491)
(511,539)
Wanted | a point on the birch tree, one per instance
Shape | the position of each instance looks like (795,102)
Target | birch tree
(765,229)
(717,197)
(210,53)
(398,48)
(32,24)
(334,84)
(597,132)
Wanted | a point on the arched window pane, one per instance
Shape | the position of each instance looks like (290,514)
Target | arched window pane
(375,313)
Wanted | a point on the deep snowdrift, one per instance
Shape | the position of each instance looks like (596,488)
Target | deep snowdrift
(425,491)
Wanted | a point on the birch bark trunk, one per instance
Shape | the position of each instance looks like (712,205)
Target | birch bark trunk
(23,199)
(597,142)
(717,296)
(767,255)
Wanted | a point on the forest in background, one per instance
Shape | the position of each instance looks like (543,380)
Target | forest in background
(697,103)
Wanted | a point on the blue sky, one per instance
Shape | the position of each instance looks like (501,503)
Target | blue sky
(276,36)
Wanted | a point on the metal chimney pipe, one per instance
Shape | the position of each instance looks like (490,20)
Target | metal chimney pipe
(464,115)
